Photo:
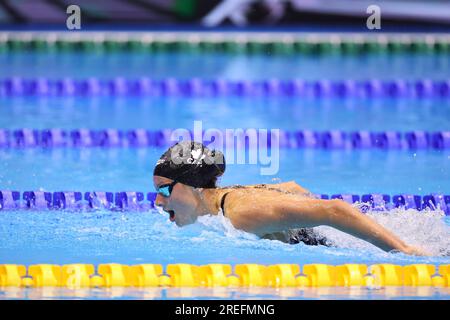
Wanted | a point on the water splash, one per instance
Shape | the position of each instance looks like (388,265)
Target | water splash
(426,229)
(222,225)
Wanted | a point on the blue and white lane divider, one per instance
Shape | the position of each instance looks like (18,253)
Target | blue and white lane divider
(218,87)
(333,139)
(141,201)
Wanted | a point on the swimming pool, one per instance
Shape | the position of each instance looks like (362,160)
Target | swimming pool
(30,236)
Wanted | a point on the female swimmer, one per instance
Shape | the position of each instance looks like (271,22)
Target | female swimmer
(185,178)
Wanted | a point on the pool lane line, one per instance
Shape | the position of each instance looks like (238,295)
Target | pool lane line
(224,275)
(285,44)
(145,201)
(296,139)
(195,87)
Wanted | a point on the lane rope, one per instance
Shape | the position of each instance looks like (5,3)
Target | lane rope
(374,88)
(285,43)
(246,139)
(224,275)
(144,201)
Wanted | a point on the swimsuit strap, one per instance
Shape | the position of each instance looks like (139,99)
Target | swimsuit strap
(222,202)
(239,186)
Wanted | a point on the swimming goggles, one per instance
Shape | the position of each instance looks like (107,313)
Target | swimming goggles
(166,189)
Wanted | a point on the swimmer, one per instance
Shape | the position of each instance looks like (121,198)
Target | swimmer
(185,178)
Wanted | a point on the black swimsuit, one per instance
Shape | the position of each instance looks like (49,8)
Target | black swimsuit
(222,202)
(305,235)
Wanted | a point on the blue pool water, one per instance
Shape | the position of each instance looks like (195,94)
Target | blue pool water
(29,237)
(182,65)
(320,171)
(127,113)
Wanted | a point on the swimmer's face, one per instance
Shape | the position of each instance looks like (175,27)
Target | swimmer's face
(181,204)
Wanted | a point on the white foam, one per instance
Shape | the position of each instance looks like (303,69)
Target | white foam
(221,224)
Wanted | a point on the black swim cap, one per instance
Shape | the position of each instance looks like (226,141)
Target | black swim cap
(191,163)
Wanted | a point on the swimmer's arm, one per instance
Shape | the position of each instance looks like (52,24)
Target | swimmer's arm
(342,216)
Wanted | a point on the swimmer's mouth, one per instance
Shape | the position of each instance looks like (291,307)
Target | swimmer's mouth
(171,215)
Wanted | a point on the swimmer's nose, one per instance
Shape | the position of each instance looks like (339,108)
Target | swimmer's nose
(160,201)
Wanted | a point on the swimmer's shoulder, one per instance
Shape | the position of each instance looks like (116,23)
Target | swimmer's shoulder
(254,212)
(291,186)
